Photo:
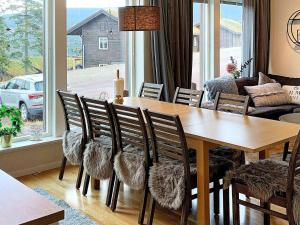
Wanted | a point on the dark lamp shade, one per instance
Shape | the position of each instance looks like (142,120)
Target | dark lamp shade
(139,18)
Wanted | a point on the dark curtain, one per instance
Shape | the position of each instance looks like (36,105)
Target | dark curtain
(256,35)
(172,46)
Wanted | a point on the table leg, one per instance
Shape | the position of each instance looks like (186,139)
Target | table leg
(202,148)
(95,184)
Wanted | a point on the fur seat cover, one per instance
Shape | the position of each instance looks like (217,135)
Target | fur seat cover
(72,146)
(129,166)
(97,158)
(266,178)
(167,181)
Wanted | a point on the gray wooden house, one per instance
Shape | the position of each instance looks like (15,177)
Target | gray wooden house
(102,42)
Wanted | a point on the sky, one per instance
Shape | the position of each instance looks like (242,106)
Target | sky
(95,4)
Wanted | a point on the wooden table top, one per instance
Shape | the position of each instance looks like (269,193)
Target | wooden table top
(251,134)
(21,205)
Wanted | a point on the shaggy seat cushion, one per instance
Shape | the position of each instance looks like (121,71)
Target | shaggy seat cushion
(129,166)
(236,157)
(265,179)
(97,158)
(167,181)
(72,146)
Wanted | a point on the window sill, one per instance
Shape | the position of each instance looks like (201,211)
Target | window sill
(20,145)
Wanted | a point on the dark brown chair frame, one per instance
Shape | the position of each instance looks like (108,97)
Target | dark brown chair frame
(169,140)
(188,97)
(284,200)
(131,129)
(151,91)
(232,100)
(74,115)
(100,123)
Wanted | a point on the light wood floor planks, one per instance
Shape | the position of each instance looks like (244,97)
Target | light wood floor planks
(126,214)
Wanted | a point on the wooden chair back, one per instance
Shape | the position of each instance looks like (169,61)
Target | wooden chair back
(152,91)
(188,97)
(168,139)
(73,111)
(131,129)
(232,103)
(294,171)
(99,119)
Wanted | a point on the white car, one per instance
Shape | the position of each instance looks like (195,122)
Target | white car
(26,93)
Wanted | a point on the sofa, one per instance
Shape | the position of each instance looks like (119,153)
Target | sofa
(269,112)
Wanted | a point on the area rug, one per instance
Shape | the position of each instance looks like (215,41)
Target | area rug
(72,216)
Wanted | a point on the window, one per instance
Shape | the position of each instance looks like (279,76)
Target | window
(22,58)
(103,43)
(90,71)
(231,13)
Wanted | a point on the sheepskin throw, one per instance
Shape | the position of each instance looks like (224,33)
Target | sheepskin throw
(167,182)
(97,158)
(72,146)
(266,178)
(130,167)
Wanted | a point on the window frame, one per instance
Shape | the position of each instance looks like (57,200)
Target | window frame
(106,42)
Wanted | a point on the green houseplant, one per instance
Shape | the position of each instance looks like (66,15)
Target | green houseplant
(10,124)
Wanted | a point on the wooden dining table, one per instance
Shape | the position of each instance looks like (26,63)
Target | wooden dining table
(205,129)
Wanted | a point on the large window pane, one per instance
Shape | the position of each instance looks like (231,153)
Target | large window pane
(21,59)
(96,47)
(230,34)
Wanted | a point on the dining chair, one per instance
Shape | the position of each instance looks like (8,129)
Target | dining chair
(272,182)
(75,136)
(101,145)
(232,103)
(174,167)
(188,97)
(236,104)
(131,163)
(152,91)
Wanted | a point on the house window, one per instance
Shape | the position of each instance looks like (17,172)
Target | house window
(231,16)
(103,43)
(22,61)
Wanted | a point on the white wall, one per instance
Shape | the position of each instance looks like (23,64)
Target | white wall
(284,60)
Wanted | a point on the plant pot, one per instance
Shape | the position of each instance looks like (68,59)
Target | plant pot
(6,141)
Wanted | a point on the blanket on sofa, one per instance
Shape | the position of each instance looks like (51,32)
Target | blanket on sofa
(225,84)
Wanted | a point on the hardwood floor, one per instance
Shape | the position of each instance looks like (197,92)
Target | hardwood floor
(127,210)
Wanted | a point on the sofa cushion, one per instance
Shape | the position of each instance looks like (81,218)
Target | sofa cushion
(270,94)
(285,80)
(264,79)
(274,112)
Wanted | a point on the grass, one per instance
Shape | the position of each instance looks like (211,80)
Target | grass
(16,68)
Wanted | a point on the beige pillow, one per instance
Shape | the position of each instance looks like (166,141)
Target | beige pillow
(267,95)
(264,79)
(293,92)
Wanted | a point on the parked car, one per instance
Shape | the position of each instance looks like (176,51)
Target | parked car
(26,93)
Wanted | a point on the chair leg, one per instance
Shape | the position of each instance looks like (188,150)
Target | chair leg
(86,185)
(151,211)
(285,151)
(185,211)
(226,206)
(216,197)
(62,168)
(266,205)
(235,206)
(110,189)
(143,205)
(79,176)
(115,195)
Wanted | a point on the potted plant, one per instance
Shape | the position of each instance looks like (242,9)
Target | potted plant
(232,67)
(10,124)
